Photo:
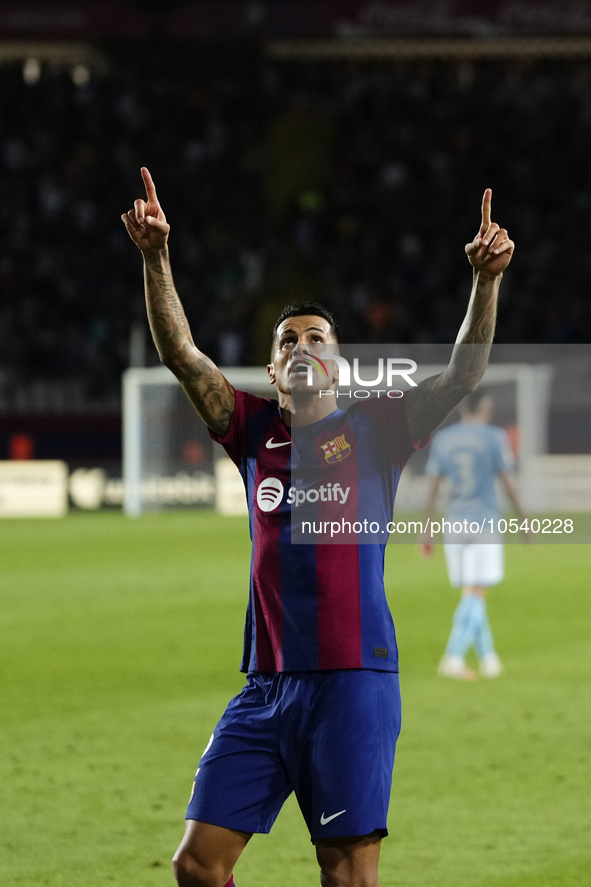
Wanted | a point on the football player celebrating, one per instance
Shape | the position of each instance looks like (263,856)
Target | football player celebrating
(320,712)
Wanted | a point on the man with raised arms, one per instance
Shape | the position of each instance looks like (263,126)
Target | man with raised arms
(320,712)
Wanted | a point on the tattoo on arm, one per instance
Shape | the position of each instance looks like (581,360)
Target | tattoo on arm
(208,390)
(162,278)
(429,403)
(478,327)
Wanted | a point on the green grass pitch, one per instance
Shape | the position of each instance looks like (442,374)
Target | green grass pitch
(119,647)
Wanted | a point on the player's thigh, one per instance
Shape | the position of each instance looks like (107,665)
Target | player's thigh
(241,783)
(483,564)
(454,556)
(209,851)
(344,781)
(474,563)
(350,861)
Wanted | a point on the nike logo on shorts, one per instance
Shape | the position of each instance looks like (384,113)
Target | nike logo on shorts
(326,819)
(271,446)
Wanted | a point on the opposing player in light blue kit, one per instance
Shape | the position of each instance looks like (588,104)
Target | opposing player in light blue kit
(471,454)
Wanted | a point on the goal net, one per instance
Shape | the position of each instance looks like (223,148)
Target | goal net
(169,459)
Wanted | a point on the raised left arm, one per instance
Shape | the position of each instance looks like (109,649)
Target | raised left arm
(429,403)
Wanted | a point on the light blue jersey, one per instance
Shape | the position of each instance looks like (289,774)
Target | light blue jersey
(471,455)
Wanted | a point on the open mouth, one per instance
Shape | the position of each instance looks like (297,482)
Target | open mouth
(299,368)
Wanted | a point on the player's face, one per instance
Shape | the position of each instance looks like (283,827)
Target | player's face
(296,340)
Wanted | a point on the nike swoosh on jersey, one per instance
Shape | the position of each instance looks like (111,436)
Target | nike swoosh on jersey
(325,819)
(271,446)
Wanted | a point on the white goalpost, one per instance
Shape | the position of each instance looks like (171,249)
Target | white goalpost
(169,460)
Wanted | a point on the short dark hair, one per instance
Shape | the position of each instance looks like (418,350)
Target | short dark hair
(297,309)
(473,400)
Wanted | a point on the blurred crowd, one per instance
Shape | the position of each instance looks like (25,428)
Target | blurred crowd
(355,184)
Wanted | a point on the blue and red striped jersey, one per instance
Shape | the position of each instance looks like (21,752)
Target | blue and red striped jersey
(318,605)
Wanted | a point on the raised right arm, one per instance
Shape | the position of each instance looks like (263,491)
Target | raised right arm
(206,387)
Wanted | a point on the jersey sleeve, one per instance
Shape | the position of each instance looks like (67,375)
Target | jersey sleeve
(388,415)
(234,441)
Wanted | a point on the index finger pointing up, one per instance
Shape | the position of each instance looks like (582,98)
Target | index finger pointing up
(486,202)
(149,183)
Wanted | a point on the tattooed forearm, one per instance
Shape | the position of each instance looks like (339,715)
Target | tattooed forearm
(209,391)
(167,319)
(162,279)
(478,327)
(471,352)
(429,403)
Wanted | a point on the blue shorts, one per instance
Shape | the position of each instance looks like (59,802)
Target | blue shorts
(328,736)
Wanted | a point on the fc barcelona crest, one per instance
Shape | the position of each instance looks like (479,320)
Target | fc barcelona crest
(336,450)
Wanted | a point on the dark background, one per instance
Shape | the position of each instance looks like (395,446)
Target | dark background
(352,181)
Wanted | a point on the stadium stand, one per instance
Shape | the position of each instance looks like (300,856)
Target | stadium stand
(355,183)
